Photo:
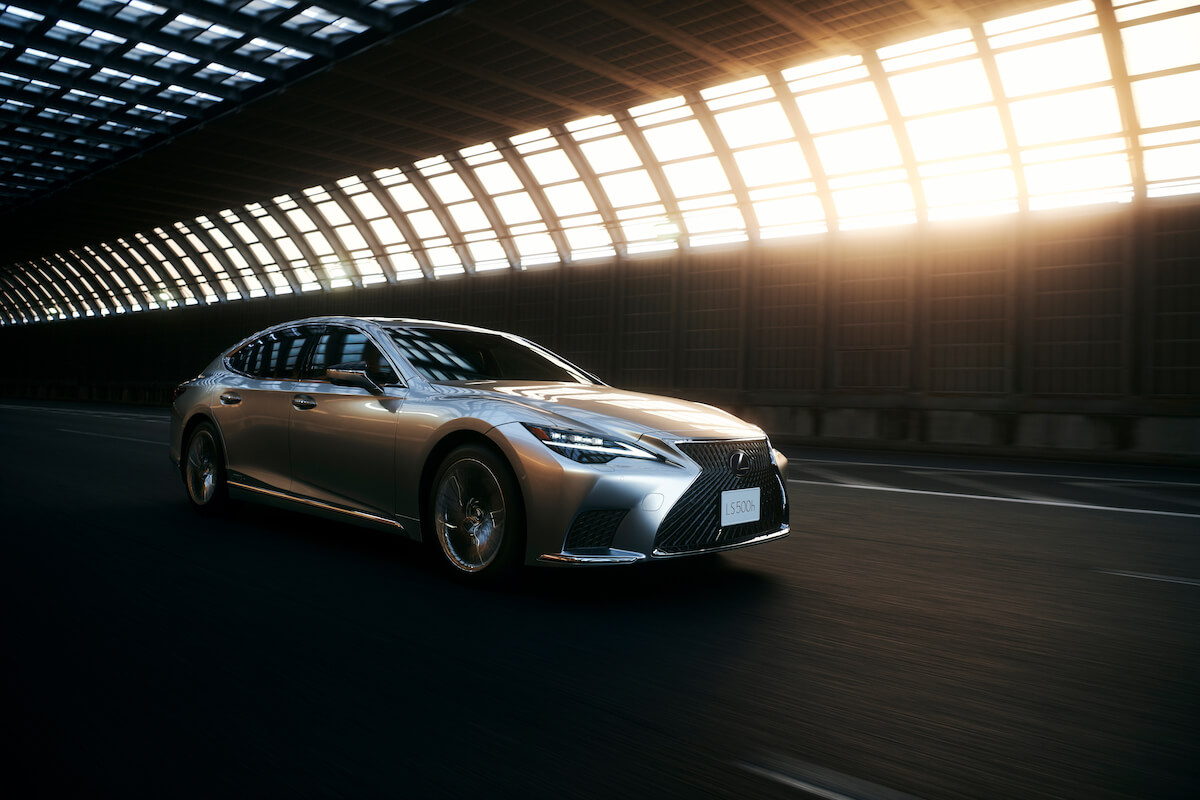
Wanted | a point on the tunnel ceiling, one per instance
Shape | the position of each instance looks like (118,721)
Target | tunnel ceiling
(119,115)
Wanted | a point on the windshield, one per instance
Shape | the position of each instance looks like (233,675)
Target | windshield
(442,354)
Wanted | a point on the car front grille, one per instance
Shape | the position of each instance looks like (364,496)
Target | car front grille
(694,522)
(594,528)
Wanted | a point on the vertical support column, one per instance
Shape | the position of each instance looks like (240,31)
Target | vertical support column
(244,249)
(540,201)
(591,182)
(443,215)
(194,253)
(655,171)
(397,216)
(135,267)
(503,235)
(103,292)
(808,146)
(724,154)
(314,262)
(265,239)
(365,230)
(326,230)
(896,120)
(987,57)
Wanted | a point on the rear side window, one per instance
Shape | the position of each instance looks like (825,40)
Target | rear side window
(347,347)
(276,355)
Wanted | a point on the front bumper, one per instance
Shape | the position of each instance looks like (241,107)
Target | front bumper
(629,498)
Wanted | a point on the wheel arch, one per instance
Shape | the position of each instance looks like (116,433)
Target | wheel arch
(194,422)
(438,453)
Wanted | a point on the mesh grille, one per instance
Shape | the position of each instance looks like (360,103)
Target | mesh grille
(594,528)
(694,522)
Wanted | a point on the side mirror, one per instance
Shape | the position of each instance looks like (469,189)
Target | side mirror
(352,374)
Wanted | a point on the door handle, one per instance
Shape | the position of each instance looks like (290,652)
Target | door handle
(230,398)
(303,402)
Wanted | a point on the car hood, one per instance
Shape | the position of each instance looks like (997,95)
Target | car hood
(607,410)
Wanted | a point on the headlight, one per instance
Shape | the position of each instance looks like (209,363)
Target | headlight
(587,448)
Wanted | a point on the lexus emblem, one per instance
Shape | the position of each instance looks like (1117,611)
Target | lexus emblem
(739,463)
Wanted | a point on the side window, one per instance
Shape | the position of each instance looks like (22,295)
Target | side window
(240,360)
(274,356)
(344,346)
(291,347)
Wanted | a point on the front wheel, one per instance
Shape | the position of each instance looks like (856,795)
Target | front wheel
(477,513)
(204,469)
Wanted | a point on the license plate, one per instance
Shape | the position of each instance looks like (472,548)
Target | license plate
(738,506)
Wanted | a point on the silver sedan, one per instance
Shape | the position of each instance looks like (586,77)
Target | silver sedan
(497,450)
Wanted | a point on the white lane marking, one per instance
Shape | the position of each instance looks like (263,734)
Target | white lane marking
(1058,503)
(127,415)
(821,782)
(972,483)
(1145,494)
(1146,576)
(837,477)
(111,436)
(985,471)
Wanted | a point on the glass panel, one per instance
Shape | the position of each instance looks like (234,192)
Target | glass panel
(700,176)
(608,155)
(1163,44)
(958,134)
(843,107)
(1056,65)
(629,188)
(858,150)
(948,86)
(1167,100)
(680,140)
(1066,116)
(755,125)
(570,198)
(498,178)
(777,163)
(551,166)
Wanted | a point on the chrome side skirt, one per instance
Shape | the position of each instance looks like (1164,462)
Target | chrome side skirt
(287,497)
(766,537)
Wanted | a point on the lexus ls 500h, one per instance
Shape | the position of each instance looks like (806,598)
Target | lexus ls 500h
(493,448)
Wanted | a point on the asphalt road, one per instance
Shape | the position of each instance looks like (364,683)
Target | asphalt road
(934,628)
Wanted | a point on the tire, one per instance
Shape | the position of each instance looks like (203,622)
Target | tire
(478,520)
(203,470)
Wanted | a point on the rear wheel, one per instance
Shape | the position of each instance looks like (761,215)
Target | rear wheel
(204,469)
(477,515)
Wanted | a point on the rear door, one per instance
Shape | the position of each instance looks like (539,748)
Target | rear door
(253,407)
(343,438)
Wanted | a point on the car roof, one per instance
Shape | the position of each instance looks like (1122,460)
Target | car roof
(391,322)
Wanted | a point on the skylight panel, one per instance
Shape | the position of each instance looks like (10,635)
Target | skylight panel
(551,166)
(629,188)
(1057,65)
(610,154)
(678,140)
(1168,100)
(1074,115)
(753,125)
(843,107)
(498,177)
(864,149)
(1163,44)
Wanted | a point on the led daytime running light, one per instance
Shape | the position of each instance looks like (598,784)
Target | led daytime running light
(567,441)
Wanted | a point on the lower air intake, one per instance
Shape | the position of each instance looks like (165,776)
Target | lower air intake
(594,529)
